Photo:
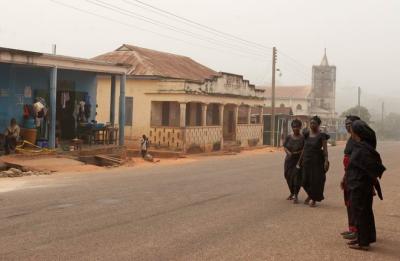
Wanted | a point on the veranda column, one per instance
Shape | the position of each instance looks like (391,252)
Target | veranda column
(112,101)
(53,107)
(182,118)
(221,123)
(248,115)
(261,115)
(235,120)
(122,110)
(203,114)
(221,114)
(182,124)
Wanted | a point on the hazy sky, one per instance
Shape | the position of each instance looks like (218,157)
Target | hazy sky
(362,37)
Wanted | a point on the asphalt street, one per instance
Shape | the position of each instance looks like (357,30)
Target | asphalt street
(208,208)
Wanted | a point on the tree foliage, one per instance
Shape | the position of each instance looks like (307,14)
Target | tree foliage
(365,115)
(391,126)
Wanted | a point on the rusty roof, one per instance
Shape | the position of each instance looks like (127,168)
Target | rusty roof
(147,62)
(289,92)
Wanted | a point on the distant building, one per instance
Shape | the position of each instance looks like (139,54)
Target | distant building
(295,97)
(317,99)
(323,93)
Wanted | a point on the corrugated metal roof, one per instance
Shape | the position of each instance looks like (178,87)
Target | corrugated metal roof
(16,56)
(147,62)
(289,92)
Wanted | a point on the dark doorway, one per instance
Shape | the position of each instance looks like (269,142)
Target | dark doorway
(165,113)
(229,127)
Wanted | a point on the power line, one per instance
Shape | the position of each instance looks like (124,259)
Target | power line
(294,61)
(199,25)
(154,32)
(243,51)
(293,69)
(169,27)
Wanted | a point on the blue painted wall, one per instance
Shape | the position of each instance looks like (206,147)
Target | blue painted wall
(14,79)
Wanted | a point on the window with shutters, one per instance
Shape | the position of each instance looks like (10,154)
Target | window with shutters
(128,111)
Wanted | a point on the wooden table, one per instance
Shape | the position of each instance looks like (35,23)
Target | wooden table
(99,135)
(111,135)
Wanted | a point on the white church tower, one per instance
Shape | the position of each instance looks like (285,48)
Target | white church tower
(323,94)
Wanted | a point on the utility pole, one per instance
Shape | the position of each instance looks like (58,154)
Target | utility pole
(359,102)
(383,119)
(54,49)
(274,58)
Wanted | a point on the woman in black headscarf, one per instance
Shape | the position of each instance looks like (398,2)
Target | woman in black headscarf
(293,146)
(351,233)
(314,161)
(364,170)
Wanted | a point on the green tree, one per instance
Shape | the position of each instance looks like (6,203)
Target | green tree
(365,115)
(391,126)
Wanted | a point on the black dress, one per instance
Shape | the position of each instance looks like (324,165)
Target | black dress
(346,192)
(292,174)
(314,174)
(364,169)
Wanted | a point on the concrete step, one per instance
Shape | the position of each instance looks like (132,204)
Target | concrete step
(231,147)
(166,154)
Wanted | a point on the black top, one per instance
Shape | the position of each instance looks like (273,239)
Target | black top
(365,162)
(349,147)
(293,144)
(313,146)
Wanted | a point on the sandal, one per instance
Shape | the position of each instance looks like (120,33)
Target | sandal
(352,243)
(345,233)
(351,236)
(357,247)
(313,204)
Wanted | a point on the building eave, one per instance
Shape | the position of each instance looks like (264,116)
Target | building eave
(21,57)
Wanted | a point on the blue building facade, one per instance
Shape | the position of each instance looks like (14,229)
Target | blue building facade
(21,84)
(63,82)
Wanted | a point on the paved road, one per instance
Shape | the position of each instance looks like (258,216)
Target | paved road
(218,208)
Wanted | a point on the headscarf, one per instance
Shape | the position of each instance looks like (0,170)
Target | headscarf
(316,119)
(352,118)
(296,123)
(365,132)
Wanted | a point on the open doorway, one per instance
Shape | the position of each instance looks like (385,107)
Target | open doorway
(229,124)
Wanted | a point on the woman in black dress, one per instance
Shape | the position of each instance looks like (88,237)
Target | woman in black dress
(364,170)
(293,146)
(351,233)
(314,161)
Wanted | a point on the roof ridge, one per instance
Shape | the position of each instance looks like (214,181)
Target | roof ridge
(133,47)
(148,62)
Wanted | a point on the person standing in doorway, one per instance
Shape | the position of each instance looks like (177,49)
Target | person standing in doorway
(315,163)
(144,144)
(293,146)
